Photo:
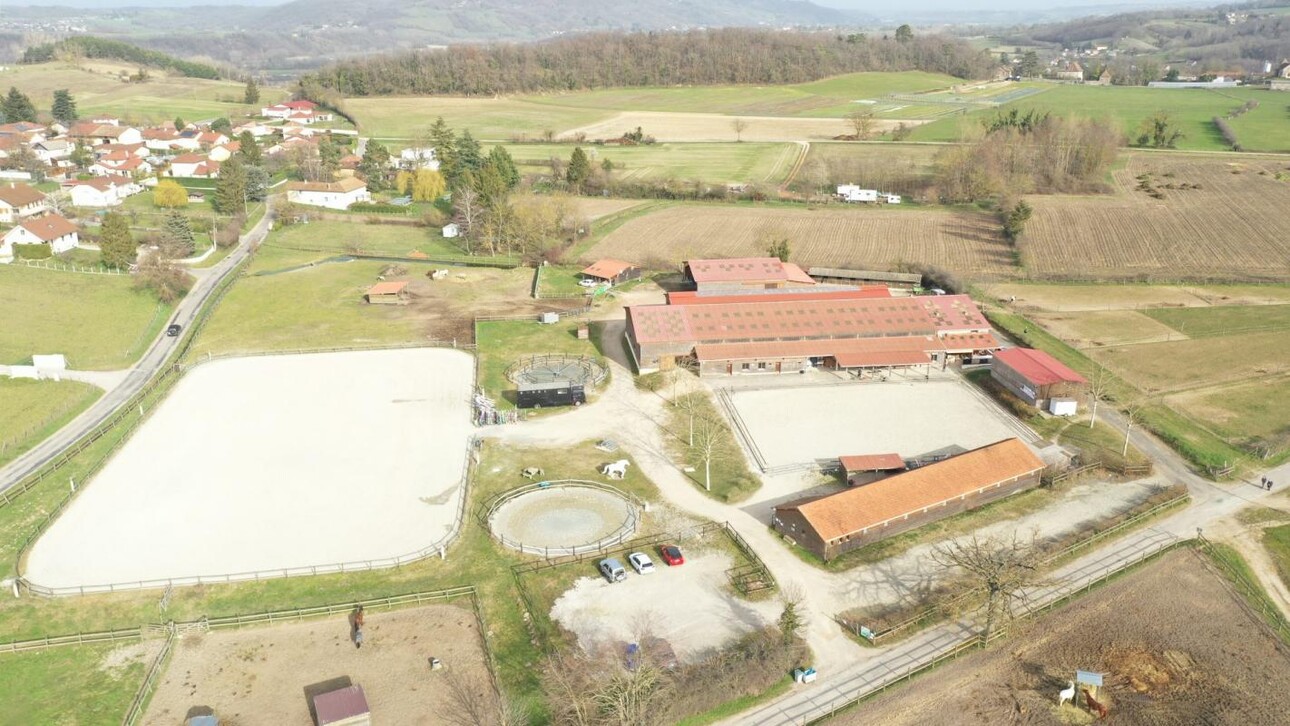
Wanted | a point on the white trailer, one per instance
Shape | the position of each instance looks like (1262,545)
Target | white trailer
(853,193)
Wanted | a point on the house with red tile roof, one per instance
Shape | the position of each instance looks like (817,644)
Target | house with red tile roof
(611,271)
(51,229)
(101,191)
(1037,378)
(19,201)
(830,525)
(193,165)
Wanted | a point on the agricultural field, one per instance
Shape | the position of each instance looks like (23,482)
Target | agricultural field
(1154,633)
(79,684)
(966,242)
(35,409)
(714,163)
(904,169)
(294,300)
(489,119)
(1171,218)
(1192,109)
(159,100)
(687,127)
(1265,128)
(1089,297)
(98,321)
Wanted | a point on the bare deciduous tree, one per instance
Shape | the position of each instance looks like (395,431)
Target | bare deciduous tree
(1099,386)
(708,436)
(861,121)
(740,126)
(1133,415)
(472,701)
(1002,568)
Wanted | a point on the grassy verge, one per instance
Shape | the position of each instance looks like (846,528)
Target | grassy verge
(71,685)
(561,281)
(33,410)
(501,342)
(1277,542)
(739,705)
(100,322)
(1202,448)
(698,435)
(1237,570)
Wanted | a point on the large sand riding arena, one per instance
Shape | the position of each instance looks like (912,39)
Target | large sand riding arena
(671,126)
(260,464)
(1177,647)
(258,675)
(808,424)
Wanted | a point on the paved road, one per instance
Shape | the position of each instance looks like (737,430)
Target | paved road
(142,372)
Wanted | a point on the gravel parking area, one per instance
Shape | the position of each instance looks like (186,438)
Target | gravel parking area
(692,607)
(259,464)
(804,424)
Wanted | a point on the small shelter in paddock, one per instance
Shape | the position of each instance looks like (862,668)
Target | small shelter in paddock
(1038,379)
(615,272)
(451,230)
(865,468)
(387,293)
(343,707)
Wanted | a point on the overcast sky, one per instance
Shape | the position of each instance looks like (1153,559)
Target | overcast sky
(970,5)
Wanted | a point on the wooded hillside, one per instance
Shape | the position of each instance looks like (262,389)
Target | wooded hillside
(606,60)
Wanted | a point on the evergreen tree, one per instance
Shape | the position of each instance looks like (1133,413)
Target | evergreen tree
(17,107)
(328,156)
(81,156)
(177,236)
(470,156)
(180,124)
(445,147)
(252,93)
(491,185)
(904,34)
(257,183)
(579,170)
(501,158)
(249,149)
(116,244)
(375,166)
(64,109)
(1029,66)
(230,187)
(222,125)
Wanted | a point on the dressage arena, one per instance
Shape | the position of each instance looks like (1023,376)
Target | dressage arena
(807,424)
(257,465)
(562,518)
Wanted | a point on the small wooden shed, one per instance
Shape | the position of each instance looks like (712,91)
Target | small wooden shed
(343,707)
(387,293)
(865,468)
(615,272)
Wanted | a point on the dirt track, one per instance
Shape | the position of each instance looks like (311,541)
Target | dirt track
(1176,647)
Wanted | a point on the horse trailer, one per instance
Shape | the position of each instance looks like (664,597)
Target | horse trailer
(542,395)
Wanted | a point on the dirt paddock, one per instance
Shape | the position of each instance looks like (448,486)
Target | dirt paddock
(258,675)
(1175,645)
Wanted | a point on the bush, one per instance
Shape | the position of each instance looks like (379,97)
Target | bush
(32,252)
(434,217)
(377,208)
(167,281)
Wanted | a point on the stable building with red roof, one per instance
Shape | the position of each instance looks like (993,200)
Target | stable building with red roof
(745,272)
(1038,379)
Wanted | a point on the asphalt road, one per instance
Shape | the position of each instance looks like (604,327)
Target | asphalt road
(142,372)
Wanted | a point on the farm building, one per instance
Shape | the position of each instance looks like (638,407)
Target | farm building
(745,273)
(858,277)
(614,272)
(332,195)
(342,707)
(1037,378)
(387,293)
(865,468)
(834,330)
(836,523)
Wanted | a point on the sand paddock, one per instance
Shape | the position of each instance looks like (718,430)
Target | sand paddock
(260,464)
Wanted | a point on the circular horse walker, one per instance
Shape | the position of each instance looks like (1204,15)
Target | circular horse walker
(565,517)
(583,370)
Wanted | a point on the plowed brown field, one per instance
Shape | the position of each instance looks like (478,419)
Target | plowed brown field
(1234,226)
(967,243)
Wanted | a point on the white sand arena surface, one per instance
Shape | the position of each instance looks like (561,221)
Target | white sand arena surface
(562,517)
(259,464)
(804,424)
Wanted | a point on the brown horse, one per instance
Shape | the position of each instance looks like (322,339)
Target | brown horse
(1094,705)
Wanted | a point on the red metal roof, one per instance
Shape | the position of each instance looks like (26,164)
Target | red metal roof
(607,269)
(812,319)
(340,704)
(390,287)
(1037,366)
(796,274)
(784,294)
(872,462)
(849,352)
(881,359)
(739,269)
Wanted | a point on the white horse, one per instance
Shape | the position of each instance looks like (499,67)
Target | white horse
(1067,694)
(616,470)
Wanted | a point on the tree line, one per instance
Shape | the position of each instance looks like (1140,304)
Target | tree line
(605,60)
(89,46)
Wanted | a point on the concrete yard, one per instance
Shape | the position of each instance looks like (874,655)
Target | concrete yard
(261,464)
(805,424)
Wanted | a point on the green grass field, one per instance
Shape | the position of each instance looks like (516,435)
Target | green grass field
(76,684)
(158,100)
(380,239)
(1192,109)
(492,119)
(1277,542)
(98,321)
(1223,320)
(731,481)
(35,409)
(501,342)
(716,163)
(1266,128)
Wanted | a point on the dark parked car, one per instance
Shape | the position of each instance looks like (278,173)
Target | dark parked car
(173,330)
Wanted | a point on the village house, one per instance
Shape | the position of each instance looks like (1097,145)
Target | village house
(416,158)
(334,195)
(833,524)
(51,151)
(51,229)
(19,201)
(94,134)
(301,112)
(1070,71)
(193,165)
(225,151)
(99,192)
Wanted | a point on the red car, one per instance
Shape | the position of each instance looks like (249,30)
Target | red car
(671,554)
